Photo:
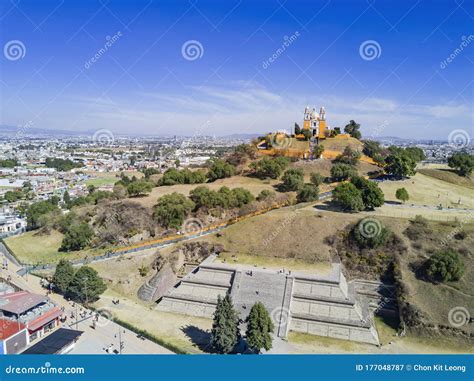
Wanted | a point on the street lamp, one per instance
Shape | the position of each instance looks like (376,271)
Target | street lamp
(121,343)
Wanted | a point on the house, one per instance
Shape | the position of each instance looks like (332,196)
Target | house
(13,336)
(36,312)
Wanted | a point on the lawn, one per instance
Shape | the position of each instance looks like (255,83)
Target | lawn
(101,181)
(32,248)
(426,190)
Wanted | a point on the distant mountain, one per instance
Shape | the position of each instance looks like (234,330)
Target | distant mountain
(11,131)
(242,136)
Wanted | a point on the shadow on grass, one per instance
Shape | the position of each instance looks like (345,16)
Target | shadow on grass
(199,337)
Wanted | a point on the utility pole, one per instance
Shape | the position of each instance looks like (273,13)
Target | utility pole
(121,343)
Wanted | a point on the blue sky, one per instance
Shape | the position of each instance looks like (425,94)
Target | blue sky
(414,80)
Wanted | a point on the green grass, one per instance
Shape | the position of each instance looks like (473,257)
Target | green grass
(100,181)
(33,248)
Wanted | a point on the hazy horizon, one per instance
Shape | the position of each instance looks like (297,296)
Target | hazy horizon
(222,68)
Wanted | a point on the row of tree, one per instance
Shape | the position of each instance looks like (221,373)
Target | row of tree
(225,333)
(172,209)
(358,194)
(83,286)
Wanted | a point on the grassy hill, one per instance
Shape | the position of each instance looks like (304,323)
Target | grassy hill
(338,144)
(34,248)
(444,173)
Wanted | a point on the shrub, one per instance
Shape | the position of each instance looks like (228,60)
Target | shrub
(316,179)
(172,209)
(270,167)
(341,172)
(418,228)
(348,156)
(307,193)
(402,194)
(370,233)
(265,195)
(293,180)
(445,266)
(219,169)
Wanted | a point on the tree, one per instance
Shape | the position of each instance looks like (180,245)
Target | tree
(318,150)
(139,188)
(445,266)
(38,209)
(307,193)
(62,165)
(416,153)
(225,327)
(462,162)
(63,275)
(8,163)
(402,194)
(348,156)
(307,133)
(13,196)
(297,129)
(270,167)
(372,195)
(219,169)
(293,179)
(336,131)
(400,165)
(172,176)
(349,197)
(341,172)
(240,197)
(86,286)
(353,129)
(172,209)
(66,199)
(316,179)
(259,328)
(77,237)
(371,148)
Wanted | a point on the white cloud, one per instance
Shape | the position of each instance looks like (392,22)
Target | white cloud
(249,107)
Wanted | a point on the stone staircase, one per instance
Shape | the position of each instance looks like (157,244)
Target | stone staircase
(320,305)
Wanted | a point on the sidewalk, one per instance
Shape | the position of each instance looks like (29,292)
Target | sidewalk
(93,340)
